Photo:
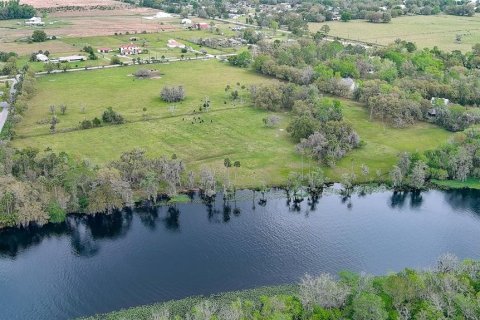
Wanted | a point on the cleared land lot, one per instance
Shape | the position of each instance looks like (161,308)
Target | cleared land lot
(425,31)
(232,130)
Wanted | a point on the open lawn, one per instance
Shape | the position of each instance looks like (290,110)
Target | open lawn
(231,129)
(425,31)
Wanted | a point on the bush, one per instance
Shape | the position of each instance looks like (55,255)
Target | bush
(96,122)
(115,60)
(56,213)
(86,124)
(110,116)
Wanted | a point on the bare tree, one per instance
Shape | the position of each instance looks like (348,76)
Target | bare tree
(323,291)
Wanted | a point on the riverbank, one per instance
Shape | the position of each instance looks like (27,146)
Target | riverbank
(420,294)
(183,306)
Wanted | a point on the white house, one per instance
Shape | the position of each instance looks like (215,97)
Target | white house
(128,49)
(186,21)
(34,21)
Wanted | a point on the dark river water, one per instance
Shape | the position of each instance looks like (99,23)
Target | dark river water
(90,265)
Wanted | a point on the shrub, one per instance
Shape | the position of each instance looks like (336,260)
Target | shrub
(110,116)
(86,124)
(56,213)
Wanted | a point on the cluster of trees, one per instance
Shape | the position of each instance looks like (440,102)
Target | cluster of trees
(317,125)
(40,187)
(172,94)
(91,52)
(12,9)
(467,9)
(5,56)
(398,83)
(242,60)
(458,159)
(450,290)
(9,68)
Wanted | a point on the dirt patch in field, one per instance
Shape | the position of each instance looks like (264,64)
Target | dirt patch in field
(90,23)
(27,48)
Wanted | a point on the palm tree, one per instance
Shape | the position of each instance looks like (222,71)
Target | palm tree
(227,163)
(236,164)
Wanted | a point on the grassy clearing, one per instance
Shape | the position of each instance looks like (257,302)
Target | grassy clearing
(231,129)
(384,143)
(425,31)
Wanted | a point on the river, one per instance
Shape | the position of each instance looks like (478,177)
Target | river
(90,265)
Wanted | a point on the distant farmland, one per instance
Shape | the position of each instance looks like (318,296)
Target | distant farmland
(66,3)
(425,31)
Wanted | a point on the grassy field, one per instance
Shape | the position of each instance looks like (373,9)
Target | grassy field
(230,129)
(470,183)
(425,31)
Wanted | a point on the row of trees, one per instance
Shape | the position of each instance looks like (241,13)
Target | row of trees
(450,290)
(40,187)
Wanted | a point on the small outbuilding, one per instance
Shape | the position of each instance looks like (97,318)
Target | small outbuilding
(41,57)
(104,50)
(201,26)
(72,58)
(34,21)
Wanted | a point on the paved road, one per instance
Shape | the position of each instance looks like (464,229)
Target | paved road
(4,112)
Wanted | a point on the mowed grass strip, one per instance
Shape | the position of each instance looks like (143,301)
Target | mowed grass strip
(233,130)
(425,31)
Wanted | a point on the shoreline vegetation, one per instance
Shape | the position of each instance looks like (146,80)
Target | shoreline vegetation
(44,186)
(298,114)
(448,290)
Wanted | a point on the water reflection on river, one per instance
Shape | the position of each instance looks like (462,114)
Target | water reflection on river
(92,264)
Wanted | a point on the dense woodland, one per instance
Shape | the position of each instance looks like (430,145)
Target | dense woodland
(12,9)
(450,290)
(399,84)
